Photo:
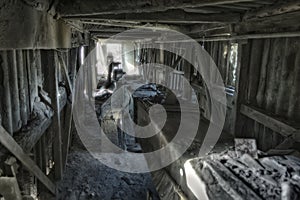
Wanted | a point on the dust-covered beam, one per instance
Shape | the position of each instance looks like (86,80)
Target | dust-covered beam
(171,16)
(277,9)
(95,7)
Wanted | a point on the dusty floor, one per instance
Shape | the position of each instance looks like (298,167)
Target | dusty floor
(87,178)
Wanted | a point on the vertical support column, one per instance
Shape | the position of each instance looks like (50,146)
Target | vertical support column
(241,87)
(39,68)
(57,120)
(22,93)
(14,92)
(7,112)
(50,68)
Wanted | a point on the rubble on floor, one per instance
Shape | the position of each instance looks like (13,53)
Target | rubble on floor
(87,178)
(229,176)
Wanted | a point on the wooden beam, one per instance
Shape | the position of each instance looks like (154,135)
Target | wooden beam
(95,7)
(106,30)
(254,36)
(278,9)
(272,24)
(174,16)
(213,32)
(126,25)
(242,84)
(27,140)
(203,10)
(234,8)
(7,121)
(240,37)
(63,64)
(268,121)
(202,28)
(57,129)
(18,152)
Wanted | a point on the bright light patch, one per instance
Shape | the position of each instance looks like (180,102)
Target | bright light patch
(194,183)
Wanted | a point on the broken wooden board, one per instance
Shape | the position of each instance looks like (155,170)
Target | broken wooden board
(18,152)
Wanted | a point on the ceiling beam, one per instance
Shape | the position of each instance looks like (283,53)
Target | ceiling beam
(177,16)
(201,28)
(234,7)
(68,8)
(278,9)
(137,26)
(106,30)
(276,23)
(239,37)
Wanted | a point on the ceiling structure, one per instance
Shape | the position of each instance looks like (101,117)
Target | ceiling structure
(196,18)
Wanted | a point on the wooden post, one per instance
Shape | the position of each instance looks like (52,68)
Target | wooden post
(57,122)
(7,117)
(241,89)
(239,77)
(13,76)
(50,68)
(68,117)
(22,93)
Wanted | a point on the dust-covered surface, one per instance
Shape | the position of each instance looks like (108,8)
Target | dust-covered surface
(87,178)
(228,176)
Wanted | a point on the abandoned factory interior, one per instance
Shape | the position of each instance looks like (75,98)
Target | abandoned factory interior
(149,99)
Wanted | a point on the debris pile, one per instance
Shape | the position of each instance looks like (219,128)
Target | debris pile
(232,175)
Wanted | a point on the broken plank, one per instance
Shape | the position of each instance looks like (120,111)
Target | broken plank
(268,121)
(28,139)
(17,151)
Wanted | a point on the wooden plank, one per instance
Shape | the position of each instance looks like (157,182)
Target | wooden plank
(62,62)
(7,107)
(68,129)
(241,90)
(94,7)
(268,121)
(50,69)
(21,82)
(254,69)
(237,87)
(114,23)
(277,9)
(254,36)
(57,121)
(263,73)
(18,152)
(174,16)
(68,116)
(27,140)
(14,89)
